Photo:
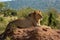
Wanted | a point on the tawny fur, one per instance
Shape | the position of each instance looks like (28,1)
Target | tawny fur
(32,20)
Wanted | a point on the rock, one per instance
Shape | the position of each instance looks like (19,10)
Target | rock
(58,31)
(35,33)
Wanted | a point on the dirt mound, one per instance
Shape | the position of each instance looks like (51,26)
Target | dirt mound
(36,33)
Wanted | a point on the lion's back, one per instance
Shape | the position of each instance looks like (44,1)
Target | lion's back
(20,23)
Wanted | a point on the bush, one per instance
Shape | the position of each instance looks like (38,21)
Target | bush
(1,19)
(24,12)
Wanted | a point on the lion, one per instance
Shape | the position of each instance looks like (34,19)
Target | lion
(32,20)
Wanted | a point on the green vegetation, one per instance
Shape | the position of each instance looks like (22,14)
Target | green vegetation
(9,12)
(50,18)
(24,12)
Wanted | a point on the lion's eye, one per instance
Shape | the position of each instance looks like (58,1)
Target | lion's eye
(40,16)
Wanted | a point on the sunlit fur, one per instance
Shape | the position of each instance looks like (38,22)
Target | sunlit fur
(32,20)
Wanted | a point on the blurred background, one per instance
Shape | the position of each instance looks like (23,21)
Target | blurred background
(13,9)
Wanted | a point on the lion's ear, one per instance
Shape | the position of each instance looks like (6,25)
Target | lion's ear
(31,14)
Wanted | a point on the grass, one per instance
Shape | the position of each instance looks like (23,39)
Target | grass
(2,28)
(4,23)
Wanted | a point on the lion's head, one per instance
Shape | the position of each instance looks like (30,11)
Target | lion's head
(37,14)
